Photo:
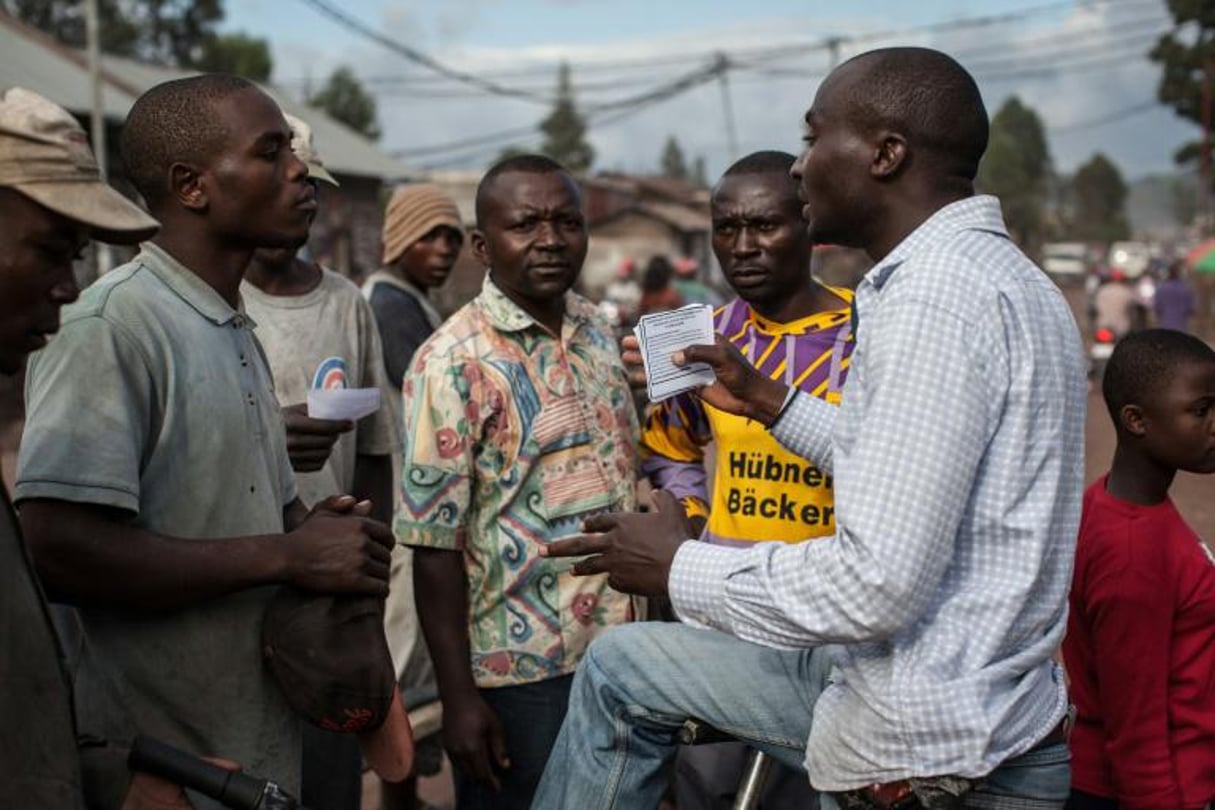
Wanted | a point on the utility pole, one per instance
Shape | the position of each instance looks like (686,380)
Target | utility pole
(92,23)
(1208,77)
(722,66)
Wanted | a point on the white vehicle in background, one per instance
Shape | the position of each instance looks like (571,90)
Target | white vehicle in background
(1065,261)
(1132,258)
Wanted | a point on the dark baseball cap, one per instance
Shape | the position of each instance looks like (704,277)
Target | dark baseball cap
(329,655)
(331,661)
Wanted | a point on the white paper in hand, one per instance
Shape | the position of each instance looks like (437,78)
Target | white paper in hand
(343,403)
(662,334)
(329,398)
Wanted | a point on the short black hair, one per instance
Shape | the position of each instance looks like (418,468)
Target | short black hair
(1143,364)
(767,163)
(528,164)
(173,123)
(927,97)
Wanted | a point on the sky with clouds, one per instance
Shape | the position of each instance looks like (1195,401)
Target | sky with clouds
(1082,65)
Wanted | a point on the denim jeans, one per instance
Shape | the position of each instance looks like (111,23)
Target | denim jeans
(639,683)
(531,716)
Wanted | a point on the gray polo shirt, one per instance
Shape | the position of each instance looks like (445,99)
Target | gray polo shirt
(156,399)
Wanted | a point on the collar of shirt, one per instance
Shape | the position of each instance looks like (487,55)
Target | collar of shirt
(507,316)
(384,276)
(978,213)
(189,287)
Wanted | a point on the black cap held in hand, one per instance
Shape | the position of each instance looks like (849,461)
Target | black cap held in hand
(330,658)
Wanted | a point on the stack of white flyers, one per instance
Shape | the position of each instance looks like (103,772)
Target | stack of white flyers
(661,335)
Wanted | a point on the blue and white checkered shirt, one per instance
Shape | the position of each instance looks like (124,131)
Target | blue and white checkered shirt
(958,463)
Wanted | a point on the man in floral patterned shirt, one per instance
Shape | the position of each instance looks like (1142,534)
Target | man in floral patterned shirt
(518,425)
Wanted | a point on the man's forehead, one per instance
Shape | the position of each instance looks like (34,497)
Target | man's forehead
(251,115)
(530,190)
(753,192)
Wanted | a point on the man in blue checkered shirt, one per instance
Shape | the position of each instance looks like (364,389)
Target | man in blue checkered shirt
(957,454)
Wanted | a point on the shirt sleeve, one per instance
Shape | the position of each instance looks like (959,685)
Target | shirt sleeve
(804,428)
(377,432)
(929,411)
(1131,608)
(441,427)
(90,397)
(672,451)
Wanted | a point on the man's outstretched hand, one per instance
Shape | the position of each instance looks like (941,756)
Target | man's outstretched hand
(635,549)
(740,389)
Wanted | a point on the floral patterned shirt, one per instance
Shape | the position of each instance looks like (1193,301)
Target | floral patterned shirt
(512,437)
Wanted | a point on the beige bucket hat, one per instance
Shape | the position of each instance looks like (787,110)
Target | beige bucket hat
(305,150)
(45,155)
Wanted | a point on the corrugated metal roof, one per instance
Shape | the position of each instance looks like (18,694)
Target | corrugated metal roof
(35,61)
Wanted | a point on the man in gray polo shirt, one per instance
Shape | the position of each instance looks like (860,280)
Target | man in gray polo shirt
(153,479)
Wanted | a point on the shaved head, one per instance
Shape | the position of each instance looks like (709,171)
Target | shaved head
(173,123)
(925,96)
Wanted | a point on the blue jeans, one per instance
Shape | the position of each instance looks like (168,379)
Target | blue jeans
(639,683)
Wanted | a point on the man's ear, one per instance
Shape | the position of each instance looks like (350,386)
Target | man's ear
(890,155)
(186,186)
(1132,420)
(480,249)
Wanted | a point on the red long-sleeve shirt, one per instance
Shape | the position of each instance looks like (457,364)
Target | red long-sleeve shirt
(1140,651)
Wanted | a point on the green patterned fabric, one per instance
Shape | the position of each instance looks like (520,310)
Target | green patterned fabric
(513,436)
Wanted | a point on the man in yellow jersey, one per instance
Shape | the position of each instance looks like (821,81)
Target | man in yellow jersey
(794,329)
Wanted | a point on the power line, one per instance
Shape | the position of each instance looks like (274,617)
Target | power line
(418,57)
(1109,118)
(740,57)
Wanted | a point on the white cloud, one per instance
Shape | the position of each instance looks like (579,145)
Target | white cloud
(767,109)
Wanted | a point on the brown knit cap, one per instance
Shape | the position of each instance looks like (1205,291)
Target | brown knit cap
(413,211)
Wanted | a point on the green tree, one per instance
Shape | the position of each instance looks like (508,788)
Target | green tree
(181,33)
(172,32)
(344,98)
(1184,54)
(565,129)
(1099,197)
(239,54)
(673,164)
(1017,169)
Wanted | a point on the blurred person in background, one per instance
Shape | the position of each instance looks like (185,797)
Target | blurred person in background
(691,288)
(1175,302)
(658,293)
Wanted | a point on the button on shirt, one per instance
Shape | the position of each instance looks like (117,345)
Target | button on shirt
(958,462)
(512,437)
(155,399)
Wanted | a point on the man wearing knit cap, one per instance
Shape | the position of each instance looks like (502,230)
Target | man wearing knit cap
(422,236)
(318,332)
(52,201)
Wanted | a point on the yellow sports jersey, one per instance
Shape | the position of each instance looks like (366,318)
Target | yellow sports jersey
(760,490)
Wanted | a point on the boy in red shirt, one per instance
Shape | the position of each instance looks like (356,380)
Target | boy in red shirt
(1140,645)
